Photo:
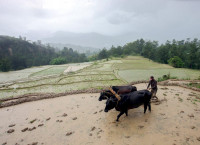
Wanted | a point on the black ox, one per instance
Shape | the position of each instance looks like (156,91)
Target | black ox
(129,101)
(118,89)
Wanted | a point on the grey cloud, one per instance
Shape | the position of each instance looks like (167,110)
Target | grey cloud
(130,19)
(188,0)
(118,17)
(42,13)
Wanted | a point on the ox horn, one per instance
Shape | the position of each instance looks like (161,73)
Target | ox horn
(116,95)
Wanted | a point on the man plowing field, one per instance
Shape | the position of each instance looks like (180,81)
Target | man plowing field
(154,88)
(126,99)
(123,98)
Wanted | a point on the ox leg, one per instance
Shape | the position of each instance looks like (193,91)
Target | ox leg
(126,112)
(145,108)
(149,105)
(120,114)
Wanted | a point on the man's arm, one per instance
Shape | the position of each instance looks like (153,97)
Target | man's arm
(149,84)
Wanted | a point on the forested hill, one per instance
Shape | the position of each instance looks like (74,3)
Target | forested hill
(17,54)
(184,53)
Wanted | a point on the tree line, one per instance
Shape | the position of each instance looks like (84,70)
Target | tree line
(18,54)
(184,53)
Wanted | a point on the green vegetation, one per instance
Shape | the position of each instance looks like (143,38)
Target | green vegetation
(102,54)
(58,60)
(100,74)
(176,53)
(5,65)
(135,68)
(176,62)
(166,77)
(136,75)
(196,85)
(18,54)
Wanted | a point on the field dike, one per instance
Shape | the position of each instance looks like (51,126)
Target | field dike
(6,102)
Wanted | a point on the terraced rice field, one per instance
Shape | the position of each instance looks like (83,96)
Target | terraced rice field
(139,68)
(52,79)
(53,70)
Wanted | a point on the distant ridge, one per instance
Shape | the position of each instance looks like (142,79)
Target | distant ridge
(93,40)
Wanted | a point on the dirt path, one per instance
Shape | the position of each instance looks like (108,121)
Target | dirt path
(80,120)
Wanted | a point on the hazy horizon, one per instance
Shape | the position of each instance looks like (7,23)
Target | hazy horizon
(104,23)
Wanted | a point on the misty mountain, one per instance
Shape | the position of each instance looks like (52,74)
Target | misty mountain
(92,40)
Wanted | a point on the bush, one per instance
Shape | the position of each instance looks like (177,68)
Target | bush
(176,62)
(92,58)
(166,77)
(58,60)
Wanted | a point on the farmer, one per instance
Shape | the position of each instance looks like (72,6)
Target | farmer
(154,88)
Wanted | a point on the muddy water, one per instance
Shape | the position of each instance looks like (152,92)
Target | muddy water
(174,121)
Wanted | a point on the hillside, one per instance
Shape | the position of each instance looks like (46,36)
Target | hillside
(179,54)
(18,54)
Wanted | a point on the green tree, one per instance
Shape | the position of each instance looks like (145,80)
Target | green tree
(176,62)
(103,54)
(5,65)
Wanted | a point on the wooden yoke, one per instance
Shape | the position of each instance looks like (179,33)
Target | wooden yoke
(116,95)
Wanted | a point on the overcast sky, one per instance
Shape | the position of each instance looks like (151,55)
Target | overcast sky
(149,19)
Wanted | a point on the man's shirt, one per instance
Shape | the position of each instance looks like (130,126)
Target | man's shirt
(153,84)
